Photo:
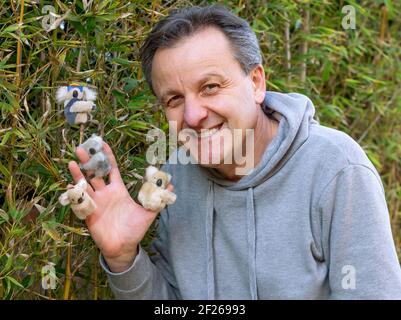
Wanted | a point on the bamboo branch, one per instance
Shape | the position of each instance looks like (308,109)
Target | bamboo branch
(379,115)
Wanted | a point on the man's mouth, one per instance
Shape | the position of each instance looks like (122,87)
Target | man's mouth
(207,133)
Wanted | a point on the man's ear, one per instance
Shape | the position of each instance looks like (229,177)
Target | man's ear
(63,199)
(259,83)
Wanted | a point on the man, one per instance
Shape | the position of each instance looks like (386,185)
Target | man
(308,221)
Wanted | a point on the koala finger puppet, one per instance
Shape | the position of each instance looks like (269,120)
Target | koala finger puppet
(81,203)
(98,161)
(78,103)
(153,194)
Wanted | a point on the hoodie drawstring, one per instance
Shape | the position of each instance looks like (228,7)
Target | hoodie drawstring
(209,241)
(251,240)
(251,232)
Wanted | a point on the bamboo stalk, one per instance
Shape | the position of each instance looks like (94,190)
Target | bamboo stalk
(68,274)
(19,45)
(304,46)
(79,60)
(287,45)
(17,82)
(43,95)
(383,31)
(383,24)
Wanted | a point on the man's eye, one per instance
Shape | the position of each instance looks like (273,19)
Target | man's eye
(173,101)
(210,88)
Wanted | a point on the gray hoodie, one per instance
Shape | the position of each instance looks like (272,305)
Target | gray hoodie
(309,222)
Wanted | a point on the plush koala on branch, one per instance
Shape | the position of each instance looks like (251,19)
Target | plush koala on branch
(78,103)
(81,203)
(153,194)
(98,162)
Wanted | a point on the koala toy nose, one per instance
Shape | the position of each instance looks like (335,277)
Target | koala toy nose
(159,182)
(80,200)
(92,151)
(75,93)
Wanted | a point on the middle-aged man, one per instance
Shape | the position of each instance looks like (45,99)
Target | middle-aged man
(308,221)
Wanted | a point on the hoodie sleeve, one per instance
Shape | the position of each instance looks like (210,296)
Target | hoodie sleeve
(357,238)
(149,277)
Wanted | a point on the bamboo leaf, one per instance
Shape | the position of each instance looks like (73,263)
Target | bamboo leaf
(14,281)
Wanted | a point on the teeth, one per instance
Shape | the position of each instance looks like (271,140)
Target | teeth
(208,132)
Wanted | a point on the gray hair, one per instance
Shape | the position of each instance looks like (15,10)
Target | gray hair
(185,22)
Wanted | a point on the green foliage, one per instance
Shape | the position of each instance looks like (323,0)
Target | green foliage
(352,76)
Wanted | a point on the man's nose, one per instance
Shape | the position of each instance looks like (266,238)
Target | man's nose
(194,112)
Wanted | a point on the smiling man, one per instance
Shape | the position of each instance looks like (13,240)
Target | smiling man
(207,90)
(308,220)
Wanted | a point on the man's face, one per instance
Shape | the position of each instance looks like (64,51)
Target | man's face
(203,88)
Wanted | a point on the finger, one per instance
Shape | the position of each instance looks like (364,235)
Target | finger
(114,172)
(77,175)
(75,171)
(97,183)
(82,155)
(170,187)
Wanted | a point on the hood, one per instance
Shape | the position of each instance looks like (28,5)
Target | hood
(295,113)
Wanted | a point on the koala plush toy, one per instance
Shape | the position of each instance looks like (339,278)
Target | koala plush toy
(153,194)
(98,162)
(81,203)
(78,103)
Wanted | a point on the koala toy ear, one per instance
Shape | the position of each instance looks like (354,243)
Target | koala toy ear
(61,94)
(150,171)
(90,94)
(63,199)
